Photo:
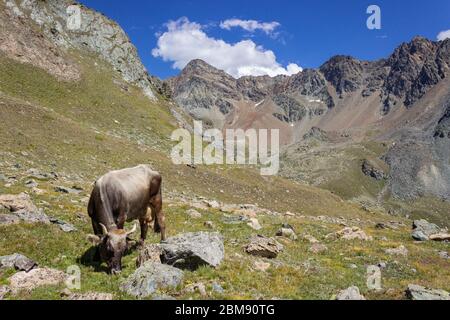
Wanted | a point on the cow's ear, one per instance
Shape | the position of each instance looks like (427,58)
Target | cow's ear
(95,240)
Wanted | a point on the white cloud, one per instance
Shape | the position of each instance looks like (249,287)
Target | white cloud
(443,35)
(184,41)
(250,25)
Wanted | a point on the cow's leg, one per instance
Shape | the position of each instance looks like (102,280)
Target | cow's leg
(144,222)
(160,220)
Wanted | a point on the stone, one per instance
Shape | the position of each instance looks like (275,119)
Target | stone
(416,292)
(422,230)
(372,169)
(254,224)
(310,238)
(440,237)
(318,248)
(194,214)
(8,219)
(150,252)
(4,290)
(287,233)
(31,184)
(217,288)
(100,296)
(18,262)
(262,266)
(212,204)
(209,224)
(64,226)
(36,174)
(196,287)
(28,281)
(444,255)
(261,246)
(73,190)
(351,233)
(151,277)
(192,250)
(21,206)
(351,293)
(400,251)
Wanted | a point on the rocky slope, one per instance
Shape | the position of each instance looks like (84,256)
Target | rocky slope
(37,32)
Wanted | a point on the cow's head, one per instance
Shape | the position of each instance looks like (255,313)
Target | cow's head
(112,246)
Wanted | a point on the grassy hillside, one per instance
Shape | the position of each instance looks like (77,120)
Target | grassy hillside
(82,130)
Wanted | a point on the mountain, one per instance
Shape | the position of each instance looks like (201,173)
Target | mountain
(398,104)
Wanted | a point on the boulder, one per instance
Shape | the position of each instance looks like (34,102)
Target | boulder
(400,251)
(17,261)
(21,206)
(351,233)
(416,292)
(192,250)
(150,277)
(254,224)
(310,239)
(35,278)
(194,214)
(150,252)
(262,266)
(318,248)
(440,237)
(261,246)
(287,233)
(422,230)
(373,170)
(351,293)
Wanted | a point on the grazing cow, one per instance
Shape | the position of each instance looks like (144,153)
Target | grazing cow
(119,196)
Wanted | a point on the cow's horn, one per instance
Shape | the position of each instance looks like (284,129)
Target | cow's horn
(104,230)
(132,230)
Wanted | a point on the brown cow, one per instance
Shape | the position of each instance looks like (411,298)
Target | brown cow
(119,196)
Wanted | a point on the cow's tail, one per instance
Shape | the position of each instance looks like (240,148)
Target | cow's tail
(156,211)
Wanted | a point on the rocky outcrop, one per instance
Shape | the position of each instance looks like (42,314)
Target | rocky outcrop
(27,281)
(344,73)
(264,247)
(416,292)
(351,293)
(372,169)
(23,208)
(150,277)
(423,230)
(18,262)
(192,250)
(96,34)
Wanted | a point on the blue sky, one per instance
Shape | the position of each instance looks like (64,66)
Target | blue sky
(308,34)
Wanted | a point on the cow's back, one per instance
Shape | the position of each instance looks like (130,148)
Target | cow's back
(126,189)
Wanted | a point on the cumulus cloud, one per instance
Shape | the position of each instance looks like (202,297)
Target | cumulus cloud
(184,41)
(443,35)
(250,25)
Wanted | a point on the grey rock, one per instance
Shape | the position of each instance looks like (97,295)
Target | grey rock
(318,248)
(416,292)
(73,190)
(351,293)
(287,233)
(21,206)
(400,251)
(444,255)
(217,288)
(192,250)
(31,184)
(422,230)
(261,246)
(17,261)
(150,277)
(64,226)
(28,281)
(150,252)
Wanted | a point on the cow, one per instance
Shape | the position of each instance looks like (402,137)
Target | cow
(120,196)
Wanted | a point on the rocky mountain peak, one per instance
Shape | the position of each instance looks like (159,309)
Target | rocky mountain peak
(344,73)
